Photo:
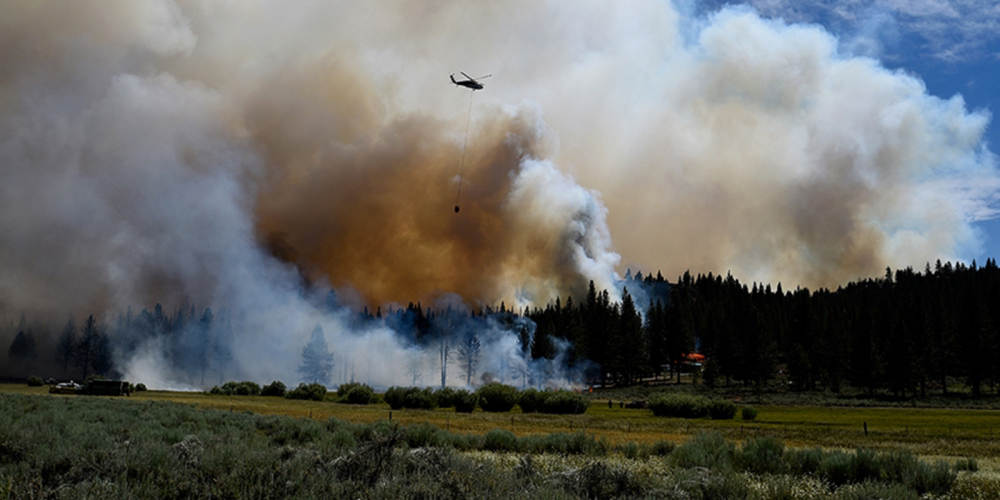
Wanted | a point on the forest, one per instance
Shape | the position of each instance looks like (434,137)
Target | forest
(906,334)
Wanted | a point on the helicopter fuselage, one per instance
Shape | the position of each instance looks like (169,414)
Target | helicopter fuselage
(472,84)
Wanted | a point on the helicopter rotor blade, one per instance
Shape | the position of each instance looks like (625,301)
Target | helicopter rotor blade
(482,77)
(466,75)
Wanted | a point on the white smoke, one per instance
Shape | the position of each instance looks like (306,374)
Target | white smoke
(146,148)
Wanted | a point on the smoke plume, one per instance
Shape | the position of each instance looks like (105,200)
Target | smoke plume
(227,155)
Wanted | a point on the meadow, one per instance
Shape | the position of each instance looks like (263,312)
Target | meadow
(950,432)
(181,445)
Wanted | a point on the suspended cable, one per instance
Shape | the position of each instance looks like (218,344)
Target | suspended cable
(465,143)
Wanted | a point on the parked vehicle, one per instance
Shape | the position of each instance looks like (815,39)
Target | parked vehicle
(65,388)
(98,387)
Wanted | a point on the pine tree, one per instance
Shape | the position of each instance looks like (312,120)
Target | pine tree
(317,360)
(64,349)
(87,346)
(629,352)
(468,357)
(22,349)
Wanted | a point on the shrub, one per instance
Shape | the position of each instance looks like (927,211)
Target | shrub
(706,449)
(140,387)
(315,392)
(445,397)
(275,388)
(721,410)
(565,403)
(630,450)
(410,397)
(359,395)
(662,448)
(679,405)
(231,388)
(465,401)
(420,399)
(500,440)
(864,466)
(748,413)
(925,478)
(531,400)
(495,397)
(835,468)
(600,480)
(805,461)
(872,490)
(763,456)
(423,435)
(343,389)
(394,397)
(35,381)
(967,464)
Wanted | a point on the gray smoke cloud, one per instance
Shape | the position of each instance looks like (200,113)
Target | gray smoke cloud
(192,152)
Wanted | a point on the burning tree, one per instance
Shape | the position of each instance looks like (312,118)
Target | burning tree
(317,360)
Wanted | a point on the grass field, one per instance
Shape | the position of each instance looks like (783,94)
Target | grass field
(158,444)
(940,432)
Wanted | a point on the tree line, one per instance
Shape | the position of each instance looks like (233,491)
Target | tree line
(906,333)
(195,344)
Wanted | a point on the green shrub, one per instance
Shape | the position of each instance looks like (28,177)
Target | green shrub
(876,490)
(835,468)
(662,448)
(531,400)
(804,461)
(630,450)
(465,401)
(393,396)
(926,478)
(495,397)
(410,397)
(565,403)
(359,395)
(343,389)
(445,397)
(748,413)
(315,392)
(500,440)
(420,399)
(763,455)
(275,388)
(706,449)
(966,464)
(679,406)
(723,484)
(423,435)
(35,381)
(600,480)
(721,410)
(864,466)
(140,387)
(231,388)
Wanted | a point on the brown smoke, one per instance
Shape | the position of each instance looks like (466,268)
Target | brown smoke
(151,149)
(376,212)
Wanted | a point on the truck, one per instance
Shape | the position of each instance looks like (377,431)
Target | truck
(98,387)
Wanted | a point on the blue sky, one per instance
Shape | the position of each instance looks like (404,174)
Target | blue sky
(953,46)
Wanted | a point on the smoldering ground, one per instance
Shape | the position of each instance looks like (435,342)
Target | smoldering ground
(226,155)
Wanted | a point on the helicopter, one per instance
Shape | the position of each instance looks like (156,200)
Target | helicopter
(471,83)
